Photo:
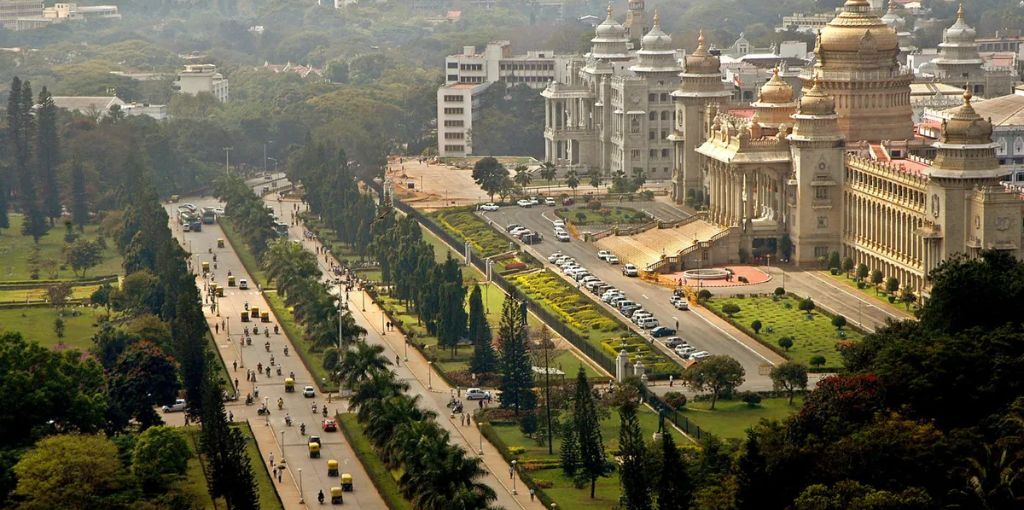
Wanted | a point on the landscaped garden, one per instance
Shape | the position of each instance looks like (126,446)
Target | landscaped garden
(806,336)
(464,225)
(601,215)
(731,418)
(590,322)
(882,292)
(36,324)
(23,260)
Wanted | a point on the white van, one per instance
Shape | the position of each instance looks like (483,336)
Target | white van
(648,323)
(243,284)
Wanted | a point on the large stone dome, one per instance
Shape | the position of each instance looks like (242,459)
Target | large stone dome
(857,29)
(700,61)
(776,90)
(816,102)
(960,32)
(609,28)
(966,127)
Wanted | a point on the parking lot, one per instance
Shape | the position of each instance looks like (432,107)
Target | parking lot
(703,333)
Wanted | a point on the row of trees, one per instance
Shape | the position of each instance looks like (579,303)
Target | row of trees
(864,275)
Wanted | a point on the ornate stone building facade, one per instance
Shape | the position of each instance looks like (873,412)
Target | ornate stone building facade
(842,169)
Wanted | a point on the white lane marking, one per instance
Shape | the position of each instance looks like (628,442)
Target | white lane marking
(644,296)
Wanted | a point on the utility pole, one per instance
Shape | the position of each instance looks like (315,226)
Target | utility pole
(265,154)
(227,160)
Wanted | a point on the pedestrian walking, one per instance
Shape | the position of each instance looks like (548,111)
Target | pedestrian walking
(216,328)
(532,492)
(231,416)
(511,471)
(671,380)
(280,473)
(271,459)
(236,384)
(235,364)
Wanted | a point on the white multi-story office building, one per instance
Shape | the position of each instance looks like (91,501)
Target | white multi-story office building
(468,74)
(196,78)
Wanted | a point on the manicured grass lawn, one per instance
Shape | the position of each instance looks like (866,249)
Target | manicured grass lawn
(19,255)
(313,360)
(607,215)
(36,324)
(563,491)
(879,296)
(465,225)
(731,418)
(39,295)
(252,266)
(383,478)
(812,337)
(195,480)
(588,320)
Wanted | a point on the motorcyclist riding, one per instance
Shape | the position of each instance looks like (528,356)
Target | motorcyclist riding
(280,403)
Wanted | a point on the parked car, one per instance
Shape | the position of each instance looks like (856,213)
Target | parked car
(684,350)
(681,303)
(648,323)
(524,202)
(308,392)
(329,425)
(673,341)
(534,201)
(477,394)
(699,355)
(563,237)
(549,201)
(532,238)
(558,224)
(603,254)
(661,331)
(554,256)
(178,406)
(489,207)
(630,270)
(512,226)
(612,259)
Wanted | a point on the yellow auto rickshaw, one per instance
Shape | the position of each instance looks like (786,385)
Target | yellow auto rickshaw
(175,198)
(289,385)
(220,243)
(245,316)
(255,312)
(265,317)
(332,468)
(314,450)
(231,281)
(220,291)
(206,267)
(346,482)
(336,497)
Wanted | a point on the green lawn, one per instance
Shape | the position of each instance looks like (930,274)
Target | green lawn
(812,336)
(464,225)
(608,215)
(596,326)
(563,491)
(731,418)
(384,480)
(20,257)
(39,294)
(313,360)
(36,324)
(869,291)
(264,483)
(194,482)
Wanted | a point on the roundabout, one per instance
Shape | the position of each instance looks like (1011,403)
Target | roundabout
(706,274)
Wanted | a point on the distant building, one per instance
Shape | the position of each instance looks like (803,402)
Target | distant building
(21,14)
(196,78)
(801,22)
(73,11)
(960,65)
(306,72)
(100,106)
(468,74)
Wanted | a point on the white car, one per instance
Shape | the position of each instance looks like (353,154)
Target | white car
(518,231)
(630,270)
(534,201)
(308,392)
(549,201)
(612,259)
(243,283)
(177,407)
(699,355)
(603,254)
(522,202)
(681,304)
(554,256)
(685,350)
(648,323)
(558,224)
(477,394)
(563,236)
(489,207)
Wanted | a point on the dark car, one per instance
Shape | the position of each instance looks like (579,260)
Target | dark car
(661,331)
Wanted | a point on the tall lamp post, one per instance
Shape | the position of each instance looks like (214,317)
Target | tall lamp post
(265,154)
(301,498)
(430,372)
(513,473)
(227,160)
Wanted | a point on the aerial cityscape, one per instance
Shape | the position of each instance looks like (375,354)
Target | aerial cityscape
(512,254)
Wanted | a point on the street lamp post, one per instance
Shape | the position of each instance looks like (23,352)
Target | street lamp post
(282,447)
(480,429)
(430,371)
(265,155)
(301,499)
(227,160)
(405,349)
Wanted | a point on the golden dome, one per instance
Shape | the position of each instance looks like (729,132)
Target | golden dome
(776,90)
(700,61)
(966,126)
(816,102)
(857,28)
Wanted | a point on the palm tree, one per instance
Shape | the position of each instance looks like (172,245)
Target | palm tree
(360,363)
(378,386)
(572,180)
(595,177)
(548,171)
(639,179)
(523,177)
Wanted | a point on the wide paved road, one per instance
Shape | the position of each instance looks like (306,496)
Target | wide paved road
(704,332)
(271,433)
(414,369)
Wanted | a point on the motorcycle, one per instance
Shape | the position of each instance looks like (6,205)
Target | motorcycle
(272,361)
(275,330)
(267,332)
(248,399)
(268,371)
(247,306)
(286,350)
(325,411)
(248,341)
(291,374)
(263,411)
(315,408)
(280,403)
(278,370)
(267,346)
(288,420)
(302,429)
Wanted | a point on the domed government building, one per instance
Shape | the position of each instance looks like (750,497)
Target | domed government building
(837,166)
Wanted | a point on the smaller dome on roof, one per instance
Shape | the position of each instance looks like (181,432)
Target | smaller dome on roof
(700,61)
(609,28)
(656,39)
(816,102)
(960,31)
(776,90)
(966,126)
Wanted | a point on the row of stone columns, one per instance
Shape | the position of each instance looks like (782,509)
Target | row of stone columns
(886,228)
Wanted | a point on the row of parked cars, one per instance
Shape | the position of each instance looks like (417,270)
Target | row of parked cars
(560,233)
(524,234)
(532,201)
